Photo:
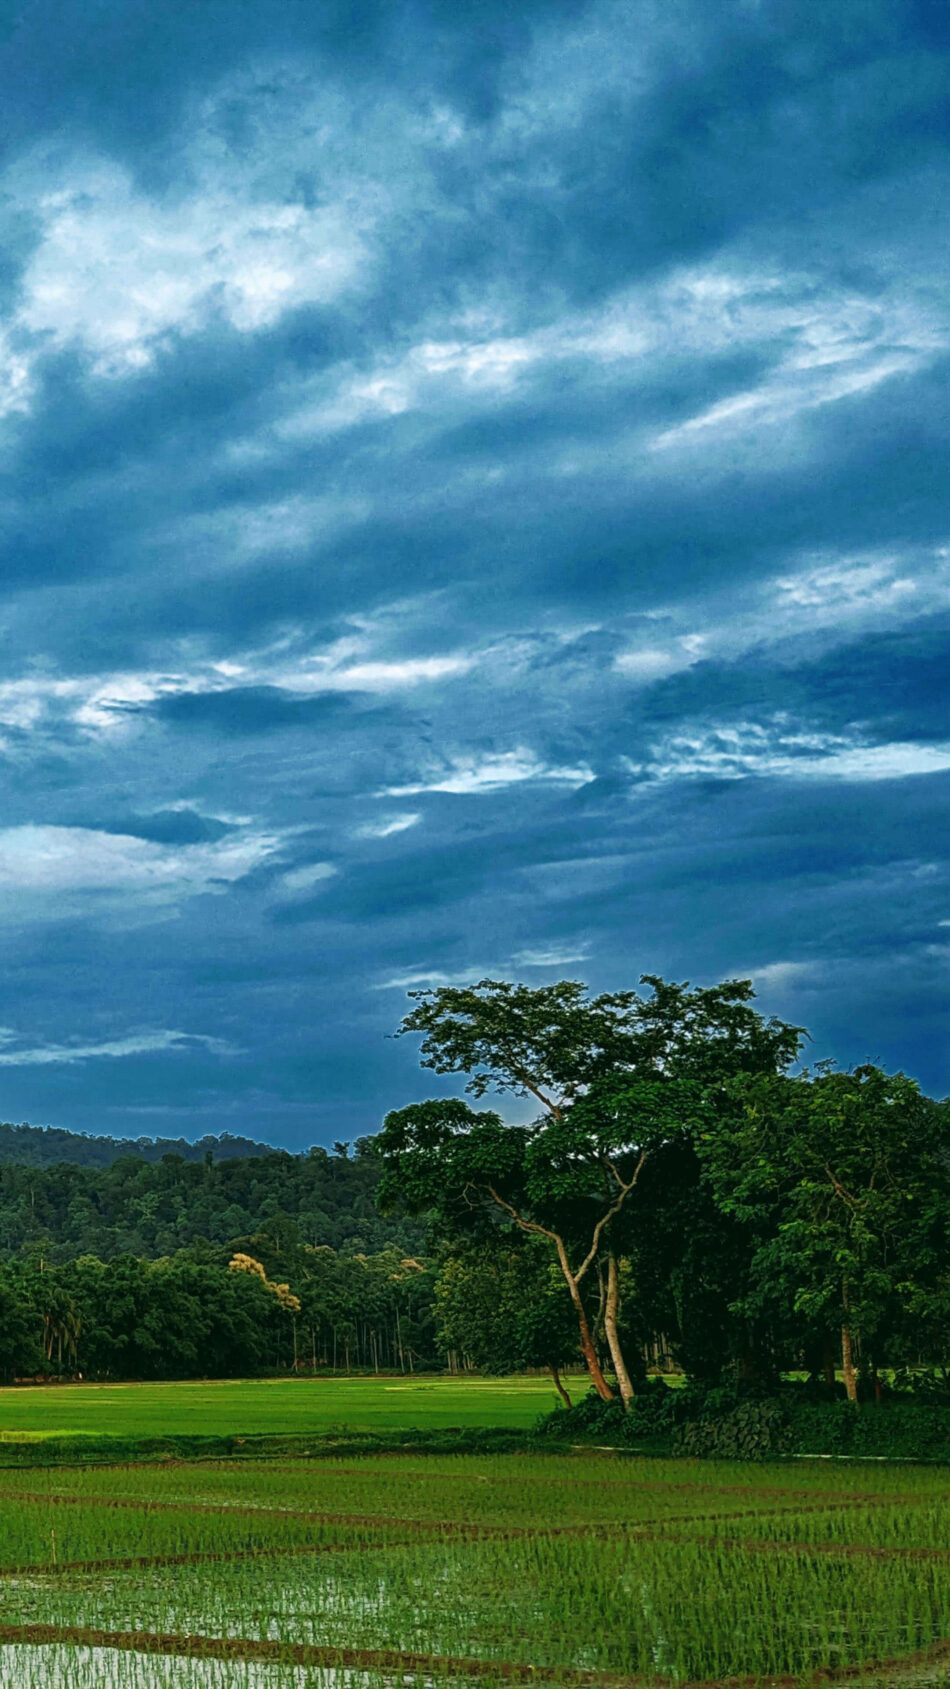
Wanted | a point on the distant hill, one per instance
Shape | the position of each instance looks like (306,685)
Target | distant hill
(154,1207)
(42,1146)
(69,1194)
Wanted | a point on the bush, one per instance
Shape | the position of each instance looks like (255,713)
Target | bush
(655,1411)
(589,1420)
(754,1430)
(746,1423)
(899,1428)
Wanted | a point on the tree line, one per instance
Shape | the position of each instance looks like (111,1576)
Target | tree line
(39,1146)
(127,1270)
(150,1209)
(209,1313)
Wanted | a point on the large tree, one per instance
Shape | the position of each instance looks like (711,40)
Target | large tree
(616,1076)
(837,1174)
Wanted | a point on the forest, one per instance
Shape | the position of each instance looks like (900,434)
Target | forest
(125,1270)
(685,1194)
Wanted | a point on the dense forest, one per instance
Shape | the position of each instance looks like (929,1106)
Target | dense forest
(128,1270)
(686,1195)
(152,1209)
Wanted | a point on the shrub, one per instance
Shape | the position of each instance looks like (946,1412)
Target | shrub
(589,1420)
(753,1430)
(746,1423)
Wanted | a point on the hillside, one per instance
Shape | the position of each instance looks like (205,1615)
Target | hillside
(41,1146)
(151,1209)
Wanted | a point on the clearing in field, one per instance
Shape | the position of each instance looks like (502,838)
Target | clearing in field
(585,1569)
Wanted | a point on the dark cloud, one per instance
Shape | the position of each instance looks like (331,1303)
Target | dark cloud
(251,710)
(475,499)
(169,827)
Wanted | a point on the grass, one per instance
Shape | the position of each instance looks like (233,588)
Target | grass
(584,1568)
(271,1407)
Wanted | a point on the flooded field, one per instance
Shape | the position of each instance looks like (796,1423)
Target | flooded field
(583,1568)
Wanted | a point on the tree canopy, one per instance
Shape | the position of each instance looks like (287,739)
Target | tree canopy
(616,1076)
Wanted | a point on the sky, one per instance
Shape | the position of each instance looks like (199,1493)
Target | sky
(474,502)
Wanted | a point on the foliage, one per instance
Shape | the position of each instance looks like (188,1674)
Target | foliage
(154,1209)
(41,1146)
(502,1307)
(843,1180)
(899,1428)
(554,1042)
(752,1430)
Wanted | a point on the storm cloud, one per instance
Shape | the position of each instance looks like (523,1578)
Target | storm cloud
(475,502)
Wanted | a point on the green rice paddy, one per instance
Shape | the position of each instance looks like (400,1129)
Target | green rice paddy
(259,1407)
(354,1572)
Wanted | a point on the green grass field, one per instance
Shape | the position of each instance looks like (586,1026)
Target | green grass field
(286,1407)
(418,1569)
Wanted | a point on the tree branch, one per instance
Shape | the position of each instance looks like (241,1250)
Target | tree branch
(552,1107)
(526,1225)
(521,1076)
(614,1208)
(839,1190)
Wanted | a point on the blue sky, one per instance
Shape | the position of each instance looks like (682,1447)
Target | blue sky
(475,502)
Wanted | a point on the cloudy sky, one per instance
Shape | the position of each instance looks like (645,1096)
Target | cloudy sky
(475,501)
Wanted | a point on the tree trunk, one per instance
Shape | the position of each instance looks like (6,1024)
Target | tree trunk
(847,1353)
(587,1343)
(611,1310)
(559,1387)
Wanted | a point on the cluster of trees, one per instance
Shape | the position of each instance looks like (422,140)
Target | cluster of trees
(206,1312)
(678,1184)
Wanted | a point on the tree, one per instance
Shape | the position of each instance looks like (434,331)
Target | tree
(504,1308)
(615,1076)
(552,1042)
(19,1348)
(833,1172)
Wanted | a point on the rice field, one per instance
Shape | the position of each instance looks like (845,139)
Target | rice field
(272,1406)
(428,1569)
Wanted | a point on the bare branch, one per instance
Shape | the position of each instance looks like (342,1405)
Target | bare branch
(614,1208)
(526,1225)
